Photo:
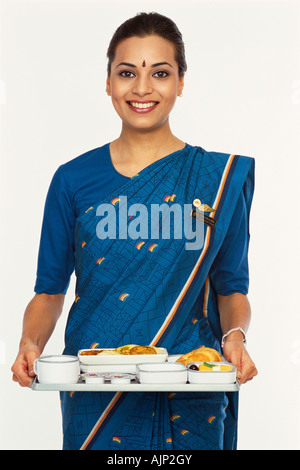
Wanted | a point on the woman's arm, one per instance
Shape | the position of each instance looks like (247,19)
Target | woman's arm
(235,312)
(40,319)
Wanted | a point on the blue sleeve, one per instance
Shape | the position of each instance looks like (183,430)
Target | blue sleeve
(56,251)
(229,272)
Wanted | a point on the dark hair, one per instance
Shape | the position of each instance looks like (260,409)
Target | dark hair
(147,24)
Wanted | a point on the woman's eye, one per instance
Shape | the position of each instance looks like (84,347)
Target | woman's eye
(161,74)
(126,74)
(129,74)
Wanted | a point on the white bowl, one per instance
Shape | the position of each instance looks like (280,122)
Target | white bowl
(213,376)
(57,369)
(162,373)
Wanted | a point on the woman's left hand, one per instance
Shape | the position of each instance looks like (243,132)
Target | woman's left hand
(236,353)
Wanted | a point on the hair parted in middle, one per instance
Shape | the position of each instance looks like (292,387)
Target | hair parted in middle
(147,24)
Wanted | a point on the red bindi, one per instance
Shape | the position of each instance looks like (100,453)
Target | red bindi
(144,64)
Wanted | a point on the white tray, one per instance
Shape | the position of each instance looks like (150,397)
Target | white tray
(121,358)
(135,386)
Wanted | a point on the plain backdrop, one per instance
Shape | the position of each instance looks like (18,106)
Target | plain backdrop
(241,95)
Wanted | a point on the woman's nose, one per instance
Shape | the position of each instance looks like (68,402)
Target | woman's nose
(142,85)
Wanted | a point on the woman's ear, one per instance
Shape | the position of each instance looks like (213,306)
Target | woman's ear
(108,85)
(181,85)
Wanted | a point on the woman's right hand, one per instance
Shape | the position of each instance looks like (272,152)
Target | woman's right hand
(40,318)
(22,368)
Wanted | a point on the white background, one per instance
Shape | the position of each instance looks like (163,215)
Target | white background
(242,95)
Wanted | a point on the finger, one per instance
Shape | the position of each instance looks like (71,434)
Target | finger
(249,373)
(252,374)
(23,383)
(20,374)
(17,373)
(31,372)
(18,380)
(31,357)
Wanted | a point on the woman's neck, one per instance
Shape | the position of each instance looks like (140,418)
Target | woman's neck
(134,150)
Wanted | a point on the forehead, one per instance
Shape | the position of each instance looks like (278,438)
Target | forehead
(150,48)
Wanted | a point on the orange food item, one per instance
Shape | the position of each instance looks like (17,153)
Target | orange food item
(125,349)
(225,368)
(92,352)
(205,368)
(214,367)
(202,354)
(142,350)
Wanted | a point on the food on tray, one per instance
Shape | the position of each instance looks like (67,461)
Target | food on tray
(97,352)
(143,350)
(91,352)
(126,350)
(108,352)
(201,354)
(209,367)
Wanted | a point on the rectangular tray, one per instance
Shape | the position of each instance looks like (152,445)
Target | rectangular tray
(134,386)
(122,359)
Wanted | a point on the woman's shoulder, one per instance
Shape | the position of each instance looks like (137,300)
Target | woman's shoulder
(214,156)
(82,169)
(80,172)
(88,159)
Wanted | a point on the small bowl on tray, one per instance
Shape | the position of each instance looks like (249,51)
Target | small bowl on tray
(211,372)
(161,373)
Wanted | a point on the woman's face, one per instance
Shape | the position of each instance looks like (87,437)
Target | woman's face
(144,81)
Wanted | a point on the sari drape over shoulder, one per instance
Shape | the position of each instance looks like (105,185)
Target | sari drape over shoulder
(154,291)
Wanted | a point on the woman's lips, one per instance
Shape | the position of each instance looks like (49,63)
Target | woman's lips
(142,106)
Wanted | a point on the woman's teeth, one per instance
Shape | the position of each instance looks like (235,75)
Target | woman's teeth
(142,105)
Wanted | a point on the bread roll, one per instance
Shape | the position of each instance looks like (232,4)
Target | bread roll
(125,349)
(143,350)
(202,354)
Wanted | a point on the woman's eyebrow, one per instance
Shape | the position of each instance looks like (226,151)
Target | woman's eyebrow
(158,64)
(126,64)
(161,63)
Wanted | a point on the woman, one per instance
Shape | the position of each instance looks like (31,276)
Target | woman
(156,291)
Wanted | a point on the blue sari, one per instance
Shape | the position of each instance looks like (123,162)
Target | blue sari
(154,293)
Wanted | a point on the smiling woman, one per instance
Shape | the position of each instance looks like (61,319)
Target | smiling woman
(145,75)
(154,291)
(143,97)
